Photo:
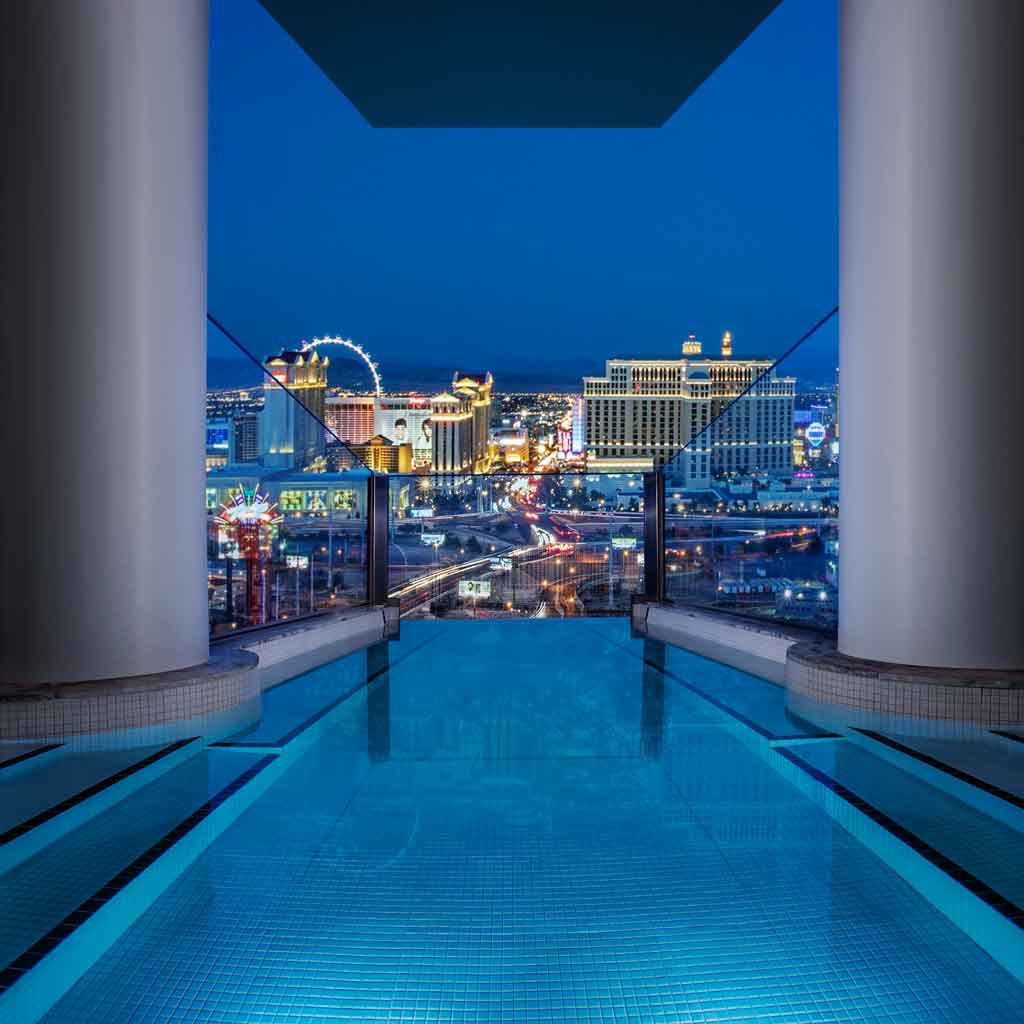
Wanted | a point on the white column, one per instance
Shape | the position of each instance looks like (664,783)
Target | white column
(102,301)
(931,345)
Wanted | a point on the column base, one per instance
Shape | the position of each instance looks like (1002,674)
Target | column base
(983,697)
(136,709)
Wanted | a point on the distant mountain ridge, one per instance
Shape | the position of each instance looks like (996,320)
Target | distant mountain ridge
(225,373)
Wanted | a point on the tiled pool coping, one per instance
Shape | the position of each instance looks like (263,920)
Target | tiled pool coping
(55,713)
(985,697)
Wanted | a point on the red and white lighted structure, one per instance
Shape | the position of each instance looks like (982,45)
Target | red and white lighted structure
(249,517)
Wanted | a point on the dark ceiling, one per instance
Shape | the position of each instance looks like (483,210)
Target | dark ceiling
(592,64)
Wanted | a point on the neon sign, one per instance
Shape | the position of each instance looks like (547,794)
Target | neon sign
(248,515)
(249,507)
(815,434)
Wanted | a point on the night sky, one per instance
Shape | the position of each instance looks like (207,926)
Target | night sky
(549,249)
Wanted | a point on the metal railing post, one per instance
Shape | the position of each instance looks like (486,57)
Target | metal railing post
(654,536)
(377,539)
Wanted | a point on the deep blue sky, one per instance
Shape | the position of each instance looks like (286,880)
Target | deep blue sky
(527,247)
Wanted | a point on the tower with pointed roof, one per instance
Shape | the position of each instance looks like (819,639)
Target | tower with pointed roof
(292,435)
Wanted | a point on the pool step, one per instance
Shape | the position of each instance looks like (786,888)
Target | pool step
(978,771)
(66,905)
(755,703)
(962,860)
(12,754)
(296,712)
(753,700)
(289,709)
(49,796)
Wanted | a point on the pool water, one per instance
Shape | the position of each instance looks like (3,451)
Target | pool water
(544,821)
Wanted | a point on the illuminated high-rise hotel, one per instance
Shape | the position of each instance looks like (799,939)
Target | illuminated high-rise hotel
(642,412)
(289,436)
(460,425)
(475,391)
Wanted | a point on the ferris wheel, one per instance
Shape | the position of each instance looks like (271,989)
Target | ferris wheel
(352,347)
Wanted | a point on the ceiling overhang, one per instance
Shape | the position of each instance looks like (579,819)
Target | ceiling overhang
(590,64)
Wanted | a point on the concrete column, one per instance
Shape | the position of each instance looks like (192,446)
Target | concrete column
(103,106)
(931,346)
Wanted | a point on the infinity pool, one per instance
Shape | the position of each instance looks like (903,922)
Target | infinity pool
(526,822)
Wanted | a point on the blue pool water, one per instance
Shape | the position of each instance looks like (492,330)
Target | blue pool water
(543,821)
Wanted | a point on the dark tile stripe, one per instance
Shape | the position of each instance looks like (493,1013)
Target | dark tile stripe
(27,960)
(317,715)
(97,787)
(18,758)
(1015,736)
(484,759)
(1007,908)
(760,730)
(948,769)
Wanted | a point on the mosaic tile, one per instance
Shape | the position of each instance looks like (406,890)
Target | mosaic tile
(539,836)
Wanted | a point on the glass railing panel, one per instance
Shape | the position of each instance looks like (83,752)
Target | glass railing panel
(444,530)
(689,550)
(514,546)
(752,500)
(601,523)
(286,499)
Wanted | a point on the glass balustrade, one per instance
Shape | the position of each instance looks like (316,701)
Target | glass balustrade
(751,523)
(286,500)
(752,500)
(514,546)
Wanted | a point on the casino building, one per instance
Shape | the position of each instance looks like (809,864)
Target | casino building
(460,423)
(289,437)
(642,412)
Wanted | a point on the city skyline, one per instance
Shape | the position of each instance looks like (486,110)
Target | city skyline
(815,364)
(706,413)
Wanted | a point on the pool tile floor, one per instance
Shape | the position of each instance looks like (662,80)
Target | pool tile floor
(465,843)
